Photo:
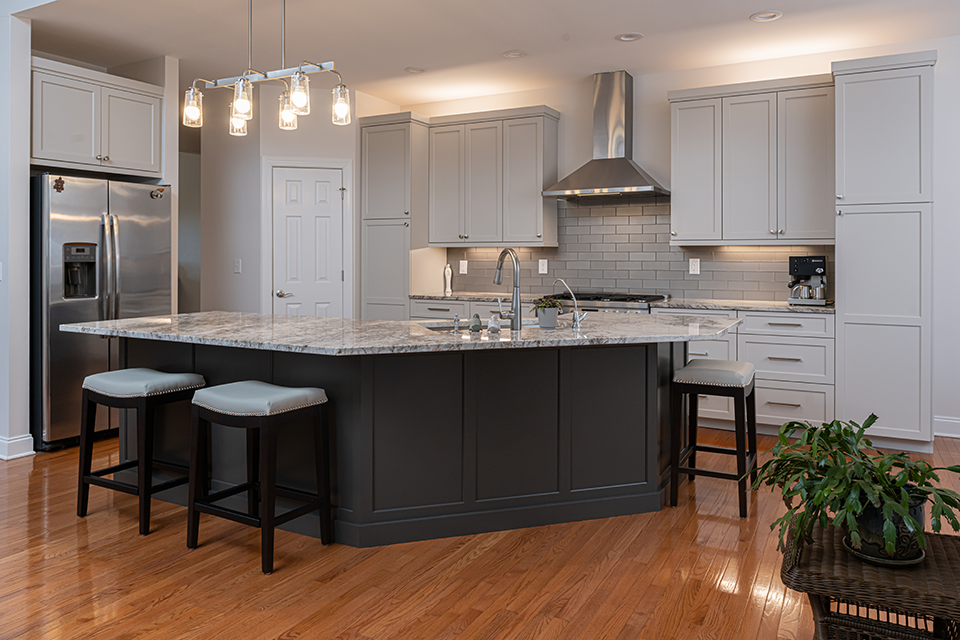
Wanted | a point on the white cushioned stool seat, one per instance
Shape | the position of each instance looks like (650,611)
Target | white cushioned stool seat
(718,373)
(137,383)
(255,398)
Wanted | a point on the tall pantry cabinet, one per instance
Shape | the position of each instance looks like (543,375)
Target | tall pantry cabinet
(884,205)
(395,259)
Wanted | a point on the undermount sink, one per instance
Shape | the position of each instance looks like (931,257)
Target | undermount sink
(447,325)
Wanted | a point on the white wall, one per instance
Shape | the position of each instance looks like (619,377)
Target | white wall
(652,152)
(15,439)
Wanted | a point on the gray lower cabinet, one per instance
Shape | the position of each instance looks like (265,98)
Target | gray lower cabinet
(385,277)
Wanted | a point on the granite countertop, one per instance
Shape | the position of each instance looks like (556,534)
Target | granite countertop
(739,305)
(336,336)
(474,296)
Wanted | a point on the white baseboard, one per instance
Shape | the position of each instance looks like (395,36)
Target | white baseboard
(946,426)
(17,447)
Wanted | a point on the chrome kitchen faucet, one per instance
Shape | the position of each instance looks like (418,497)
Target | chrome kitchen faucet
(514,314)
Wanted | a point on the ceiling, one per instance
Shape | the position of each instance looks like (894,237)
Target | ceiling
(460,42)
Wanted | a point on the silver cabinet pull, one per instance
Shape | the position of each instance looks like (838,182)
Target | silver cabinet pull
(697,353)
(673,233)
(106,158)
(465,236)
(99,157)
(406,224)
(406,213)
(436,309)
(785,324)
(539,235)
(460,236)
(795,405)
(773,232)
(781,359)
(284,294)
(781,231)
(839,197)
(702,396)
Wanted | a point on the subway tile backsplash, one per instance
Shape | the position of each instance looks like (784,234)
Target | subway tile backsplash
(625,246)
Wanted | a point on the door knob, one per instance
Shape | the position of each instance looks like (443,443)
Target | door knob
(283,294)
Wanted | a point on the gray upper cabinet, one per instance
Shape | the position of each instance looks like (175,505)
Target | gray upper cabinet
(90,120)
(386,168)
(886,113)
(753,163)
(487,172)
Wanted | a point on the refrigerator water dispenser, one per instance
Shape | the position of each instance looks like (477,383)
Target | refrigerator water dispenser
(79,270)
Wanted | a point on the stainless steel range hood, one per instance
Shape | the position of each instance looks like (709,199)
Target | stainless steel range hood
(611,172)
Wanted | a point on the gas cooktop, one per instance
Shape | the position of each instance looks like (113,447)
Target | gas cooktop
(615,302)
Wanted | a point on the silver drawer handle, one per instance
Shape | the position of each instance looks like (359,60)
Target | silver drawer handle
(795,405)
(436,309)
(785,324)
(703,396)
(697,353)
(778,358)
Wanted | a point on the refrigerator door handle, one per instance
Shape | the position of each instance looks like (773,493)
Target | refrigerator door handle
(106,264)
(116,266)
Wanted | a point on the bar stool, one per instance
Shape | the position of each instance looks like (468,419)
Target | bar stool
(718,378)
(143,390)
(261,409)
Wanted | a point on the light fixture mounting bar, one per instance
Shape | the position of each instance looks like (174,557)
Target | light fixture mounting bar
(273,75)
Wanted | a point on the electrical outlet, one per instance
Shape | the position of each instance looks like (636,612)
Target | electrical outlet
(463,267)
(236,265)
(694,266)
(543,267)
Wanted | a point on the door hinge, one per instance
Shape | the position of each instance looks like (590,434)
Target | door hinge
(342,191)
(341,276)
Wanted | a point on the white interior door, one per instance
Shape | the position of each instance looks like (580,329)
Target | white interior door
(308,242)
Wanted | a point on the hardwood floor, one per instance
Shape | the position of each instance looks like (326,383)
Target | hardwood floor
(695,571)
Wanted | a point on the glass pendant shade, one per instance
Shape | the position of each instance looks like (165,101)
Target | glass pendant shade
(341,105)
(300,93)
(242,100)
(288,116)
(193,108)
(238,126)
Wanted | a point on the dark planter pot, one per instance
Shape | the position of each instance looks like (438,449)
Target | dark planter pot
(872,546)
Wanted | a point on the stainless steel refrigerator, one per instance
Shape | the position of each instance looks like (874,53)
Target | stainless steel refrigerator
(100,251)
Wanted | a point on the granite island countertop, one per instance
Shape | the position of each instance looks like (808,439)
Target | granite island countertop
(336,336)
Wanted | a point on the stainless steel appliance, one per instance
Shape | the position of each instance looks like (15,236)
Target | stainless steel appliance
(100,250)
(612,302)
(809,283)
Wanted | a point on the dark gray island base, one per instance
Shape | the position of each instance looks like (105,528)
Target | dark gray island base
(452,442)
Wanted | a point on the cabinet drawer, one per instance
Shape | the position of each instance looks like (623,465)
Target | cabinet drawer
(698,312)
(788,324)
(797,359)
(438,308)
(779,402)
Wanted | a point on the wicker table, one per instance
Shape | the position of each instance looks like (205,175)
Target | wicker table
(853,600)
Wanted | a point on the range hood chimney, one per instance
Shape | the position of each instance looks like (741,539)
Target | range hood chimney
(611,172)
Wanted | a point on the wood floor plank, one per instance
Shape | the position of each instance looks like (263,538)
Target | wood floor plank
(690,572)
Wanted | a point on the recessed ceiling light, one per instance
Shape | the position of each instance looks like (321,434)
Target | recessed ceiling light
(766,16)
(414,69)
(514,53)
(629,37)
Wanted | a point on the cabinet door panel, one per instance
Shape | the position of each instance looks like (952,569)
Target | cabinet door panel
(483,193)
(385,282)
(750,167)
(386,172)
(130,129)
(805,149)
(884,136)
(695,174)
(523,180)
(66,119)
(446,184)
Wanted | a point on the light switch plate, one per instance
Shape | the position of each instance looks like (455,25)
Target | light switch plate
(543,266)
(463,267)
(236,265)
(694,266)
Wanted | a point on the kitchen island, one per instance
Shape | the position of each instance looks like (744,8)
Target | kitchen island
(439,434)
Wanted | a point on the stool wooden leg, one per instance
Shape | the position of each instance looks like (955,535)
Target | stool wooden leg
(676,423)
(739,411)
(144,462)
(268,483)
(198,476)
(253,470)
(752,432)
(692,433)
(321,435)
(88,422)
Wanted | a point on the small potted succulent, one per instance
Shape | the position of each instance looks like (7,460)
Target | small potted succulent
(833,475)
(547,310)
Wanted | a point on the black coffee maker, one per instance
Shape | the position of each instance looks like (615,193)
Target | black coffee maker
(809,283)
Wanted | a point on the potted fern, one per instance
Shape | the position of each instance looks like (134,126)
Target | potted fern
(832,474)
(547,309)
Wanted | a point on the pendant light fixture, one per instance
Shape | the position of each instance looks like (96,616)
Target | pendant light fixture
(294,100)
